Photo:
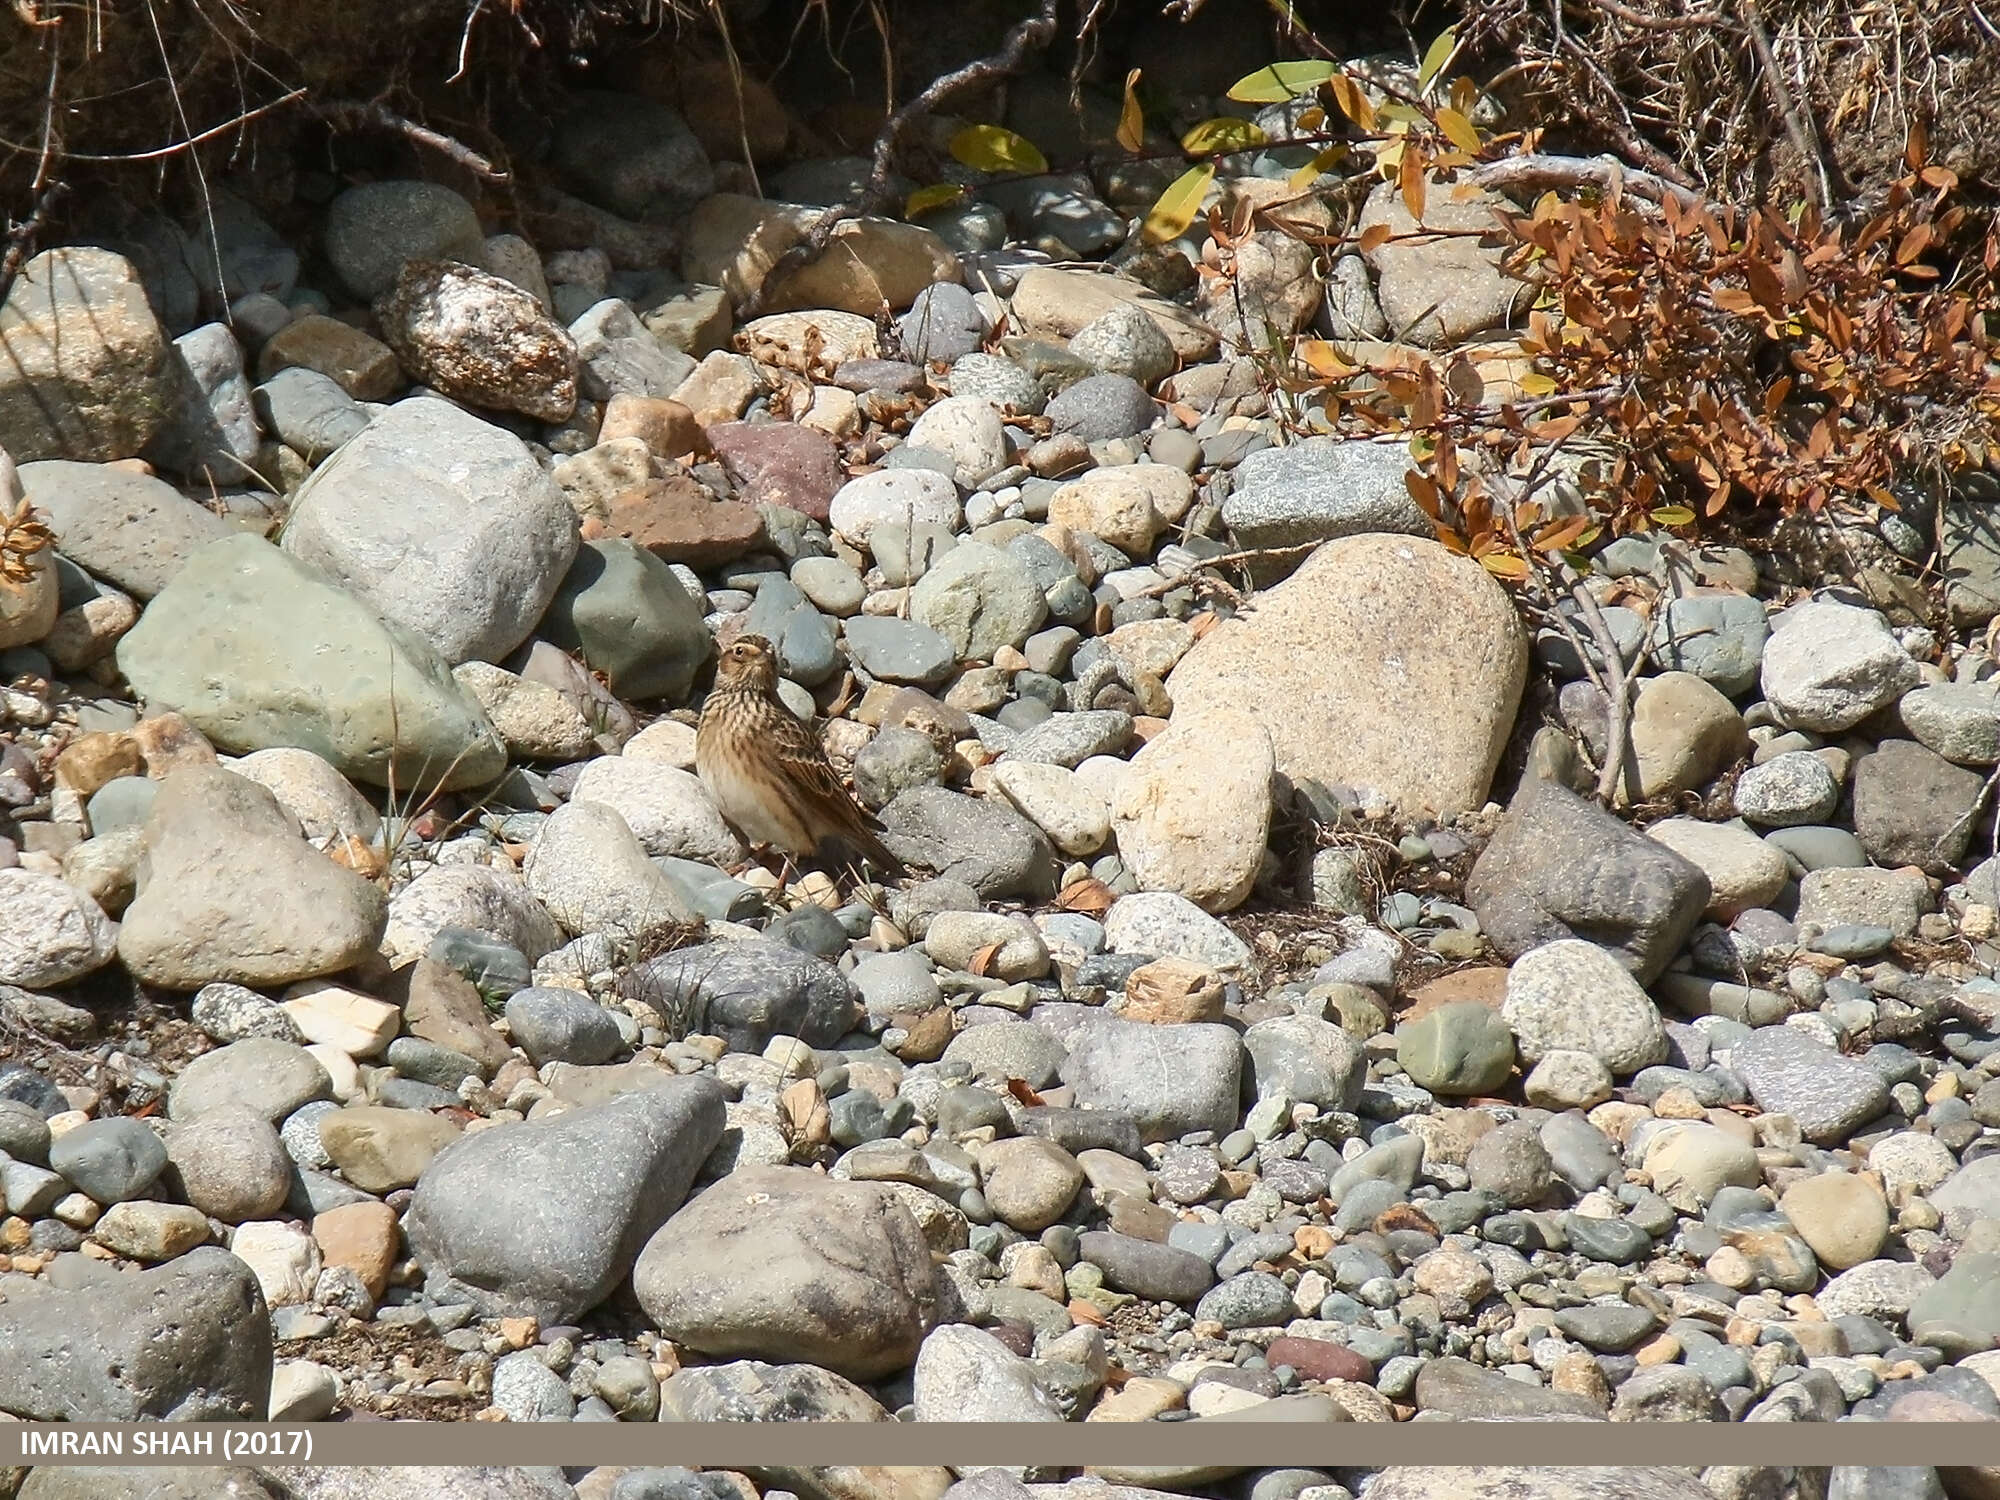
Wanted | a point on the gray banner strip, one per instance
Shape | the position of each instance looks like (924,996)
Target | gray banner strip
(1142,1454)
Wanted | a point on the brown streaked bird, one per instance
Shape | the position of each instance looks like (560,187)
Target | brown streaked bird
(767,770)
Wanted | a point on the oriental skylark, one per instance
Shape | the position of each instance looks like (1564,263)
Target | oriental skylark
(767,770)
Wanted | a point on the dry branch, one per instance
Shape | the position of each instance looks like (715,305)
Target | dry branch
(353,114)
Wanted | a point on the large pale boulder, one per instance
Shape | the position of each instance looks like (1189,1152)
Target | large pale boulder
(1383,662)
(444,523)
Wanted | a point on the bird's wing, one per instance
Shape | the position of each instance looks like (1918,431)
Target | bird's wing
(799,750)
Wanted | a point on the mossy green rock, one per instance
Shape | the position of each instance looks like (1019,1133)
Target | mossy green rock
(1457,1049)
(259,650)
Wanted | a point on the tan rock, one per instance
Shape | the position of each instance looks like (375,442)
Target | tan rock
(363,1237)
(722,385)
(380,1149)
(1172,992)
(147,1231)
(1111,504)
(1743,871)
(1842,1216)
(1383,662)
(1192,814)
(339,1017)
(1683,733)
(84,365)
(91,760)
(667,427)
(364,367)
(734,242)
(1488,987)
(1050,300)
(169,742)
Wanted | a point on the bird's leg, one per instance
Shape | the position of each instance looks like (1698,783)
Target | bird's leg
(786,870)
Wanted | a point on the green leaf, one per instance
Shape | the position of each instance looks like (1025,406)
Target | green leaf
(1281,81)
(1175,210)
(990,148)
(1460,131)
(1326,161)
(1673,515)
(1438,55)
(927,199)
(1225,133)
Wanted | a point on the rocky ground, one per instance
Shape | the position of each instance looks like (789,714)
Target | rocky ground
(1477,1482)
(1269,1016)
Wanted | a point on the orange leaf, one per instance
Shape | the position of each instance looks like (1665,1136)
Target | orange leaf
(1352,101)
(1020,1090)
(1374,238)
(1410,175)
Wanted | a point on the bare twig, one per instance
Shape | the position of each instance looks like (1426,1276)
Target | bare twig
(21,238)
(1694,21)
(1804,141)
(353,114)
(1034,33)
(1537,172)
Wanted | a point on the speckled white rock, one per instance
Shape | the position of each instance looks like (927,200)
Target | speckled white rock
(1828,666)
(969,431)
(669,810)
(53,933)
(1058,801)
(1574,996)
(905,497)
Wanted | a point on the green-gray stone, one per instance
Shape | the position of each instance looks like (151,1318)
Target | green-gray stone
(1463,1048)
(260,650)
(1959,1314)
(630,618)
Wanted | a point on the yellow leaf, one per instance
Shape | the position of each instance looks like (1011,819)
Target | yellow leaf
(1324,360)
(1132,119)
(1328,159)
(990,148)
(1435,58)
(1169,217)
(1673,515)
(1537,384)
(1353,102)
(928,199)
(1281,81)
(1390,158)
(1458,130)
(1225,133)
(1504,565)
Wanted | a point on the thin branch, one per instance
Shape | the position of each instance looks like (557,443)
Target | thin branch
(160,153)
(1538,172)
(1036,32)
(1804,140)
(352,114)
(1692,22)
